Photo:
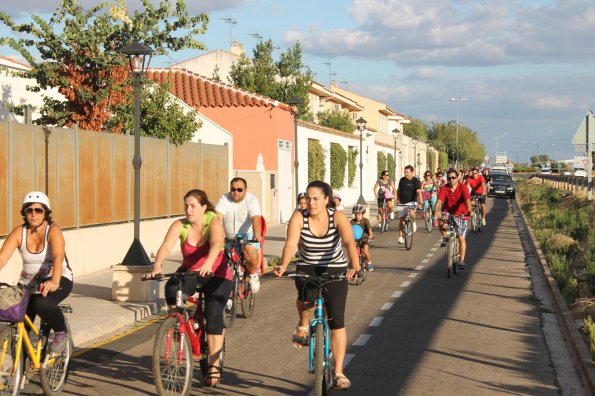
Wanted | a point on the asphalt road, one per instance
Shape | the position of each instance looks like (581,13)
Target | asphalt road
(411,331)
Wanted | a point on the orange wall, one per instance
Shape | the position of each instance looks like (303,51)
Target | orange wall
(255,130)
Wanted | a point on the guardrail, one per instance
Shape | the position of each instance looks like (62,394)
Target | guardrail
(572,183)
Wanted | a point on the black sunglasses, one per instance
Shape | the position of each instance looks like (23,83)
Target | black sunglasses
(452,177)
(36,210)
(233,189)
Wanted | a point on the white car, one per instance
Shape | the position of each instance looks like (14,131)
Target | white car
(545,171)
(567,173)
(579,172)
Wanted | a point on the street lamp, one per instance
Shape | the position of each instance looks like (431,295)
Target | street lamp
(361,127)
(396,133)
(415,141)
(295,102)
(457,100)
(139,57)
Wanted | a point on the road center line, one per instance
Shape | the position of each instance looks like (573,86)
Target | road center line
(405,284)
(386,306)
(419,267)
(348,358)
(429,254)
(433,249)
(376,321)
(425,261)
(362,340)
(397,294)
(412,275)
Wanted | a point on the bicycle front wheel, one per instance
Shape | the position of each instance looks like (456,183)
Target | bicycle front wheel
(408,234)
(319,366)
(172,372)
(428,219)
(11,369)
(248,298)
(54,370)
(449,258)
(231,307)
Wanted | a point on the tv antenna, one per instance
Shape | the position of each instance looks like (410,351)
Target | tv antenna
(230,22)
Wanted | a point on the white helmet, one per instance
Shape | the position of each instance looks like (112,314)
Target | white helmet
(36,197)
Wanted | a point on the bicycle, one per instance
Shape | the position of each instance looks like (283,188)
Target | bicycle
(453,253)
(52,368)
(363,262)
(241,282)
(428,215)
(476,215)
(320,353)
(384,216)
(408,229)
(180,338)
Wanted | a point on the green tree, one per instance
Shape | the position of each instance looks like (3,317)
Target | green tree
(336,119)
(416,128)
(79,55)
(467,148)
(390,164)
(538,159)
(316,167)
(338,162)
(380,162)
(281,80)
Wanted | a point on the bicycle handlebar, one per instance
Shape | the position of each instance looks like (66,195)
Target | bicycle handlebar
(320,280)
(188,274)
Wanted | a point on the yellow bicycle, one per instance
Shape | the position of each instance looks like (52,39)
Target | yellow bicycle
(15,342)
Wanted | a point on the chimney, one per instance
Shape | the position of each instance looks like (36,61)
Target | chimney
(237,48)
(333,83)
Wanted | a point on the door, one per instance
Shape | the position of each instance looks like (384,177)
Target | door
(286,197)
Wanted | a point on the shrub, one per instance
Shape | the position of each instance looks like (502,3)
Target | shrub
(380,162)
(338,162)
(336,119)
(590,331)
(316,168)
(390,164)
(351,164)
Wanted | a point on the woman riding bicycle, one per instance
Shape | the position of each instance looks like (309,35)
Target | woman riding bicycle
(201,238)
(321,226)
(41,244)
(384,190)
(429,192)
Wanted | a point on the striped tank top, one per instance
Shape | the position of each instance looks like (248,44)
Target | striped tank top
(324,251)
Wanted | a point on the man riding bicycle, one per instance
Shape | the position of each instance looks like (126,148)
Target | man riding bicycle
(408,192)
(478,188)
(384,190)
(454,198)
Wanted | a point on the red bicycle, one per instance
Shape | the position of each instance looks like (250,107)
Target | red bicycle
(241,282)
(181,338)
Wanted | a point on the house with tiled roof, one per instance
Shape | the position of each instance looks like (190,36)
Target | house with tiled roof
(262,130)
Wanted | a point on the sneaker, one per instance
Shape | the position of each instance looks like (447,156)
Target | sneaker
(370,267)
(461,265)
(378,227)
(401,240)
(483,221)
(59,343)
(254,283)
(435,223)
(414,226)
(444,242)
(229,305)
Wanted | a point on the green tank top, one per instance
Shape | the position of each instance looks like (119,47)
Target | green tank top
(209,216)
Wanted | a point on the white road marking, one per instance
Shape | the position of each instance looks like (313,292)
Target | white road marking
(412,275)
(405,284)
(397,294)
(348,358)
(433,249)
(419,267)
(386,306)
(376,321)
(438,244)
(429,254)
(425,261)
(362,340)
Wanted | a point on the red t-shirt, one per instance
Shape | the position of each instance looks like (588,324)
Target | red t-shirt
(476,184)
(454,201)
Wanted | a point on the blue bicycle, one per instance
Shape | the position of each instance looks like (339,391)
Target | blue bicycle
(320,353)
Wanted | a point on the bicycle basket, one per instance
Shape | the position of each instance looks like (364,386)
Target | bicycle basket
(13,303)
(388,194)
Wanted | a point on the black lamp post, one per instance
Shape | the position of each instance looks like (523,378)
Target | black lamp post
(415,141)
(295,102)
(139,57)
(396,133)
(361,127)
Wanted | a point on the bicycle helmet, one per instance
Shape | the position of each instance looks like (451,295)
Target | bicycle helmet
(36,197)
(358,208)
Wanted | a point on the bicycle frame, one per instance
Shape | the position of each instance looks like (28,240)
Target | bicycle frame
(187,328)
(319,318)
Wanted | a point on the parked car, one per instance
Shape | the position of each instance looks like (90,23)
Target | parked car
(502,185)
(579,172)
(545,171)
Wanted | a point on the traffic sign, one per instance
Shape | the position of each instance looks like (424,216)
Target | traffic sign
(580,136)
(585,162)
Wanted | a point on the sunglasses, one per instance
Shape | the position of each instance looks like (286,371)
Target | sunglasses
(233,189)
(384,175)
(452,177)
(36,210)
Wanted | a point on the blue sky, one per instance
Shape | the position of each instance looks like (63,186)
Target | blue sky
(525,67)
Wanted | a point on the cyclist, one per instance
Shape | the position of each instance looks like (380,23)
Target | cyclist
(301,201)
(408,192)
(478,188)
(454,198)
(201,239)
(240,213)
(430,187)
(440,179)
(41,244)
(358,218)
(487,176)
(319,232)
(384,190)
(338,201)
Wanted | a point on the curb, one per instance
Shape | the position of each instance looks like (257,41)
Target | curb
(579,350)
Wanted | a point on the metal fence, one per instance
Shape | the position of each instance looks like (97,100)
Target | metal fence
(89,175)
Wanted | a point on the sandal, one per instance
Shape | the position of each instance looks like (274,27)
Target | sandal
(300,341)
(214,377)
(341,382)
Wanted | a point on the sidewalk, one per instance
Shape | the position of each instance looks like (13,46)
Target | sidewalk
(95,315)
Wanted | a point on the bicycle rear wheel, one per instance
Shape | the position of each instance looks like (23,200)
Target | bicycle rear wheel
(173,376)
(54,370)
(11,370)
(319,369)
(231,307)
(408,234)
(428,219)
(248,299)
(449,258)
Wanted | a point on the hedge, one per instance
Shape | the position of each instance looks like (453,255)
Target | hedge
(381,162)
(351,164)
(316,168)
(338,162)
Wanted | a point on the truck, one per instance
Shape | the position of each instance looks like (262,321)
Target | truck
(501,158)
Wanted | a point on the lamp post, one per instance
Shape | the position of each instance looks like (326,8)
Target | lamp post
(396,133)
(295,102)
(361,127)
(415,141)
(457,100)
(139,57)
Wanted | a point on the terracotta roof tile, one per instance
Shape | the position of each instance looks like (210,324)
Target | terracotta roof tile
(200,91)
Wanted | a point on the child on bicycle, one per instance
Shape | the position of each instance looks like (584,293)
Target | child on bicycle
(302,203)
(358,218)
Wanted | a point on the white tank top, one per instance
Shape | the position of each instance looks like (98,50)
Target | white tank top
(39,265)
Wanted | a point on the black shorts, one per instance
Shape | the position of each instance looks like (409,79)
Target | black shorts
(480,198)
(335,296)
